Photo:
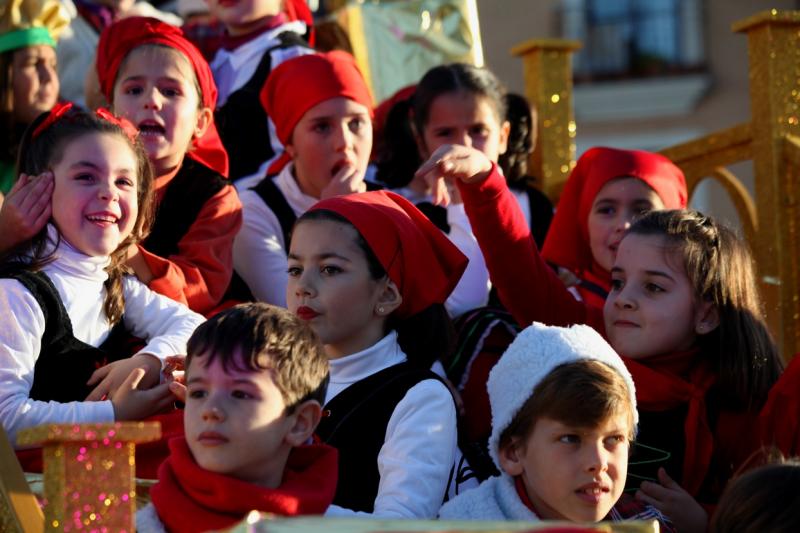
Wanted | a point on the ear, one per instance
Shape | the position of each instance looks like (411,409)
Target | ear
(505,130)
(289,149)
(389,299)
(706,318)
(204,118)
(510,457)
(306,417)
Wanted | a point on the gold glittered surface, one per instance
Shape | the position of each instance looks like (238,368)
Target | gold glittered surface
(547,71)
(124,431)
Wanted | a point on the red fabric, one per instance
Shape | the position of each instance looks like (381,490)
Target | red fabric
(199,274)
(589,296)
(567,241)
(190,499)
(300,83)
(120,38)
(62,108)
(779,420)
(298,10)
(232,42)
(418,257)
(382,109)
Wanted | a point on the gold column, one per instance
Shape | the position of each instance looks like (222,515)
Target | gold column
(89,473)
(547,71)
(774,54)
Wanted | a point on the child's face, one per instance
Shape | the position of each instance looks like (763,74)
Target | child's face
(94,199)
(652,308)
(333,137)
(330,286)
(155,89)
(570,473)
(614,209)
(35,82)
(243,16)
(236,422)
(466,119)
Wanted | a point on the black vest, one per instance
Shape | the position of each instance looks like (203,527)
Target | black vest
(242,122)
(355,424)
(186,194)
(65,363)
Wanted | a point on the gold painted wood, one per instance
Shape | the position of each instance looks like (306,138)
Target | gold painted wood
(19,510)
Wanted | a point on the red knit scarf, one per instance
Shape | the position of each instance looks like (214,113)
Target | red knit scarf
(189,498)
(673,380)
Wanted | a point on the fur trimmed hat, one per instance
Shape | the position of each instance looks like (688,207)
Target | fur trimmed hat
(536,352)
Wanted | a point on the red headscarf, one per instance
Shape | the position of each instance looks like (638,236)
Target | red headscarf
(120,38)
(300,83)
(418,257)
(567,242)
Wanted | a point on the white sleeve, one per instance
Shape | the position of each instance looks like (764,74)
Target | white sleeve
(415,460)
(21,330)
(472,290)
(165,324)
(259,253)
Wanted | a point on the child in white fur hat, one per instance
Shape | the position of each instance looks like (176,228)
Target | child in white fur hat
(563,419)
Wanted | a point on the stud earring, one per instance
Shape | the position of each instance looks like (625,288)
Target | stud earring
(701,328)
(380,310)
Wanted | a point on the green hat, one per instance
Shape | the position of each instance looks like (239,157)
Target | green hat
(30,23)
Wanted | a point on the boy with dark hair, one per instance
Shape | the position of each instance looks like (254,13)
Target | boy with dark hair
(255,380)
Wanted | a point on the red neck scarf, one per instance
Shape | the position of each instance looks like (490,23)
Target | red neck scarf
(190,499)
(673,380)
(119,39)
(567,241)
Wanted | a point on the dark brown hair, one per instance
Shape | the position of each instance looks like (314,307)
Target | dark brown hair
(583,394)
(721,271)
(46,150)
(255,337)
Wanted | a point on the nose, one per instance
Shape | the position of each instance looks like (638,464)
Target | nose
(107,191)
(152,99)
(596,457)
(464,138)
(303,284)
(624,298)
(212,411)
(46,74)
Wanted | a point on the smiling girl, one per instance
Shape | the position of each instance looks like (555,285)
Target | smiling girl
(66,286)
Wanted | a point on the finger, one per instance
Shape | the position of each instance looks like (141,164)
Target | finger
(643,497)
(132,381)
(43,217)
(667,481)
(177,361)
(178,390)
(32,192)
(22,180)
(99,374)
(100,392)
(655,490)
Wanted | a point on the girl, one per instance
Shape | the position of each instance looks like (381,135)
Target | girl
(66,288)
(607,190)
(28,79)
(159,81)
(370,273)
(683,311)
(322,112)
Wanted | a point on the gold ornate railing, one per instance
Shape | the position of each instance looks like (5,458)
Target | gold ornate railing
(771,140)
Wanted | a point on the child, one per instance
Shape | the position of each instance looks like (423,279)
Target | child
(322,111)
(28,79)
(563,418)
(261,34)
(607,190)
(765,500)
(255,382)
(370,273)
(683,312)
(66,288)
(158,80)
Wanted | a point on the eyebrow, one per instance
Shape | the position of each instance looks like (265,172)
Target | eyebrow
(326,255)
(90,164)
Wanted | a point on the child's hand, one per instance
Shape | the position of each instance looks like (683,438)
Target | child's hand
(110,377)
(132,403)
(451,162)
(346,181)
(26,209)
(677,504)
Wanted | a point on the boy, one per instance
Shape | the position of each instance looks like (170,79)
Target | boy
(563,418)
(256,377)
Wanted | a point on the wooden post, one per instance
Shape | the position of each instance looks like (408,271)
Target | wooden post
(89,473)
(547,71)
(774,54)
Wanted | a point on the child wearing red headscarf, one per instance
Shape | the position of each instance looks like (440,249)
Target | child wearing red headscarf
(157,79)
(370,273)
(322,111)
(608,188)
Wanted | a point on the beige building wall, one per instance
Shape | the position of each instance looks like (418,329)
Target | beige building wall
(505,23)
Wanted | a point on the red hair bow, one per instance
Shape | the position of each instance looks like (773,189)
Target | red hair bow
(126,125)
(62,108)
(58,111)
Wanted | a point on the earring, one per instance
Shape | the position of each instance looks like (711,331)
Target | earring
(380,310)
(701,328)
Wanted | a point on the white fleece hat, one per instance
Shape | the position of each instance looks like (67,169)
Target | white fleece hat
(536,351)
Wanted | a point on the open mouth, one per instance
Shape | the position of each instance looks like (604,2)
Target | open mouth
(102,219)
(592,493)
(151,128)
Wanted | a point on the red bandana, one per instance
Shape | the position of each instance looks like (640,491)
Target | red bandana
(300,83)
(120,38)
(190,499)
(418,257)
(661,386)
(779,421)
(567,242)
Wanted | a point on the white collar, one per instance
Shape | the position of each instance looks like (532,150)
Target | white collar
(69,261)
(299,201)
(244,53)
(355,367)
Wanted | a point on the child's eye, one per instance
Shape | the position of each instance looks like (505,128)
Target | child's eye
(321,127)
(615,440)
(569,439)
(652,287)
(83,177)
(196,394)
(617,284)
(125,182)
(605,210)
(241,395)
(330,270)
(133,90)
(479,131)
(294,271)
(170,92)
(357,124)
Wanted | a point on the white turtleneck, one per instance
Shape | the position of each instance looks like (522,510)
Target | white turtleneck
(421,438)
(165,324)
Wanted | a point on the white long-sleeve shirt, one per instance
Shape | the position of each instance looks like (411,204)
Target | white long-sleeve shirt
(421,438)
(165,324)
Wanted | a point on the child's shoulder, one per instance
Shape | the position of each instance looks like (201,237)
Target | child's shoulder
(494,499)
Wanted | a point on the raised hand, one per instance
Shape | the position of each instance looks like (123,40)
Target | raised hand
(453,162)
(26,209)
